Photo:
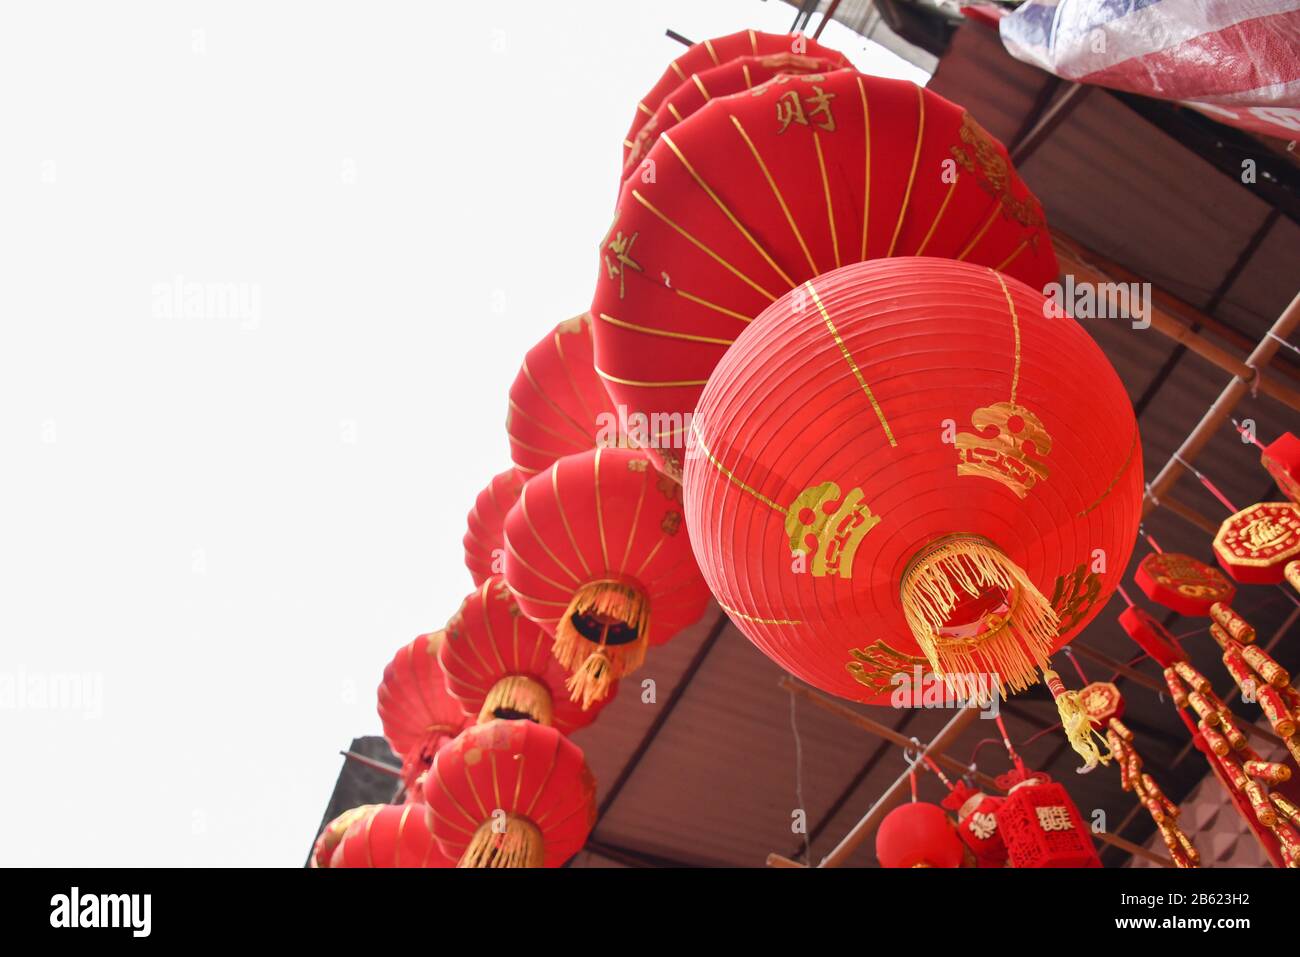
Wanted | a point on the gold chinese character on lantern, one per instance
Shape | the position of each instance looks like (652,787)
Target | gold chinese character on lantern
(621,247)
(814,110)
(837,531)
(1008,445)
(983,825)
(1054,817)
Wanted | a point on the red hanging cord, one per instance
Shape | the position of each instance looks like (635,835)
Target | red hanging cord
(1006,743)
(1077,667)
(1247,434)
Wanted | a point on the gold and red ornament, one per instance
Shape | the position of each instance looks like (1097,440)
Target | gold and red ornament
(1292,572)
(484,547)
(1041,825)
(511,794)
(1281,458)
(1182,583)
(1255,544)
(597,554)
(1234,625)
(823,503)
(918,834)
(977,823)
(499,664)
(558,405)
(390,835)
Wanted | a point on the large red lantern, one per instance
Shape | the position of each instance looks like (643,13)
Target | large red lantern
(557,403)
(1255,545)
(323,850)
(908,459)
(918,835)
(759,191)
(484,549)
(1182,583)
(391,835)
(417,712)
(597,554)
(499,664)
(511,794)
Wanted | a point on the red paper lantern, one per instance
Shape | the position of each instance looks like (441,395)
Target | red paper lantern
(558,405)
(499,664)
(511,794)
(1042,827)
(1182,583)
(417,712)
(918,835)
(1281,458)
(977,824)
(391,835)
(909,460)
(715,52)
(333,832)
(596,553)
(484,548)
(1255,545)
(757,192)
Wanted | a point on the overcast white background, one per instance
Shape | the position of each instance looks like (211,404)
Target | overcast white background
(230,522)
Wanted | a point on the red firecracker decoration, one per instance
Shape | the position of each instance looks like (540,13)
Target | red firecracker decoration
(760,191)
(977,824)
(597,554)
(1281,458)
(1182,583)
(558,405)
(499,664)
(484,545)
(1255,544)
(417,712)
(391,835)
(918,835)
(1042,827)
(909,450)
(511,794)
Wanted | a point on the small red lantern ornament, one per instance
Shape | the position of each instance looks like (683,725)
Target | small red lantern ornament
(977,824)
(1281,458)
(596,551)
(417,712)
(1255,544)
(511,794)
(333,832)
(1042,827)
(918,835)
(558,405)
(912,453)
(1182,583)
(391,835)
(484,547)
(499,664)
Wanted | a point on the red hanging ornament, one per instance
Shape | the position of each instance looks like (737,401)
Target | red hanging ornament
(417,712)
(391,835)
(1281,458)
(911,451)
(1042,827)
(918,835)
(499,664)
(484,549)
(1151,636)
(1182,583)
(1255,544)
(596,553)
(977,824)
(511,794)
(759,191)
(558,405)
(333,832)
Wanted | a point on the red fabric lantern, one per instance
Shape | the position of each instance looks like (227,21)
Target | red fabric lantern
(1151,636)
(909,460)
(1182,583)
(757,192)
(977,824)
(558,405)
(499,664)
(323,850)
(417,712)
(1043,828)
(1255,544)
(596,552)
(511,794)
(484,549)
(715,52)
(1281,458)
(391,835)
(918,835)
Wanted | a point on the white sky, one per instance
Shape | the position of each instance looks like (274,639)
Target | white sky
(230,522)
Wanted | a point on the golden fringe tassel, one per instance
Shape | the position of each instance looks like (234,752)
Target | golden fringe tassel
(518,694)
(1013,651)
(519,844)
(1076,724)
(595,664)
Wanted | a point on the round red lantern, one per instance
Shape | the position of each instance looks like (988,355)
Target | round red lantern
(1182,583)
(333,832)
(391,835)
(484,548)
(759,191)
(596,553)
(1255,545)
(558,405)
(918,835)
(499,664)
(908,459)
(511,794)
(417,712)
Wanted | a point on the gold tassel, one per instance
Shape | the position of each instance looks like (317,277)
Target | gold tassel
(1013,649)
(596,664)
(514,695)
(518,844)
(1076,724)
